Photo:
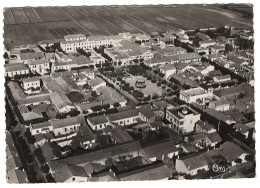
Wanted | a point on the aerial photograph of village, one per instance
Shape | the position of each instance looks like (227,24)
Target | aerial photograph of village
(129,93)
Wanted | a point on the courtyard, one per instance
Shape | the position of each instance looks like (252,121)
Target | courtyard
(150,88)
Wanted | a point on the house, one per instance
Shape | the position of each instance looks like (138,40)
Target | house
(156,171)
(231,151)
(245,128)
(168,70)
(124,117)
(213,139)
(17,176)
(202,36)
(67,173)
(197,95)
(96,83)
(61,102)
(220,105)
(65,126)
(81,79)
(217,48)
(28,116)
(201,50)
(204,127)
(183,80)
(98,122)
(39,140)
(207,43)
(16,91)
(233,92)
(222,78)
(74,42)
(191,164)
(115,152)
(183,118)
(217,56)
(219,116)
(245,105)
(106,175)
(31,83)
(142,38)
(41,66)
(31,56)
(204,140)
(41,128)
(119,135)
(161,150)
(187,147)
(13,160)
(16,69)
(146,114)
(171,51)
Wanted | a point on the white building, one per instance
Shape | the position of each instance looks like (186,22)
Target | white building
(197,95)
(16,69)
(72,43)
(41,66)
(183,118)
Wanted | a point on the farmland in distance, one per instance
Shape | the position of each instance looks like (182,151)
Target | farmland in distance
(30,25)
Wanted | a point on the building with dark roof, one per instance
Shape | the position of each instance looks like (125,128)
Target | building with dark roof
(98,122)
(67,173)
(16,69)
(161,150)
(156,171)
(62,102)
(129,149)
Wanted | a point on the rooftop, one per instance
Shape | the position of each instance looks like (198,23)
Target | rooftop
(157,171)
(194,91)
(103,153)
(96,120)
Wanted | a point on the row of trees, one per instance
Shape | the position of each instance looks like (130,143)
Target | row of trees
(71,113)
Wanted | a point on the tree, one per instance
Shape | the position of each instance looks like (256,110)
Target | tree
(155,96)
(94,94)
(159,84)
(164,82)
(238,161)
(196,41)
(161,74)
(86,87)
(6,55)
(148,98)
(204,59)
(61,115)
(138,94)
(119,79)
(228,48)
(116,104)
(250,157)
(73,113)
(202,53)
(45,168)
(96,108)
(49,178)
(153,81)
(106,107)
(201,171)
(75,144)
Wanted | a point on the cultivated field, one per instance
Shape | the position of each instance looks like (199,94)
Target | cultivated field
(33,24)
